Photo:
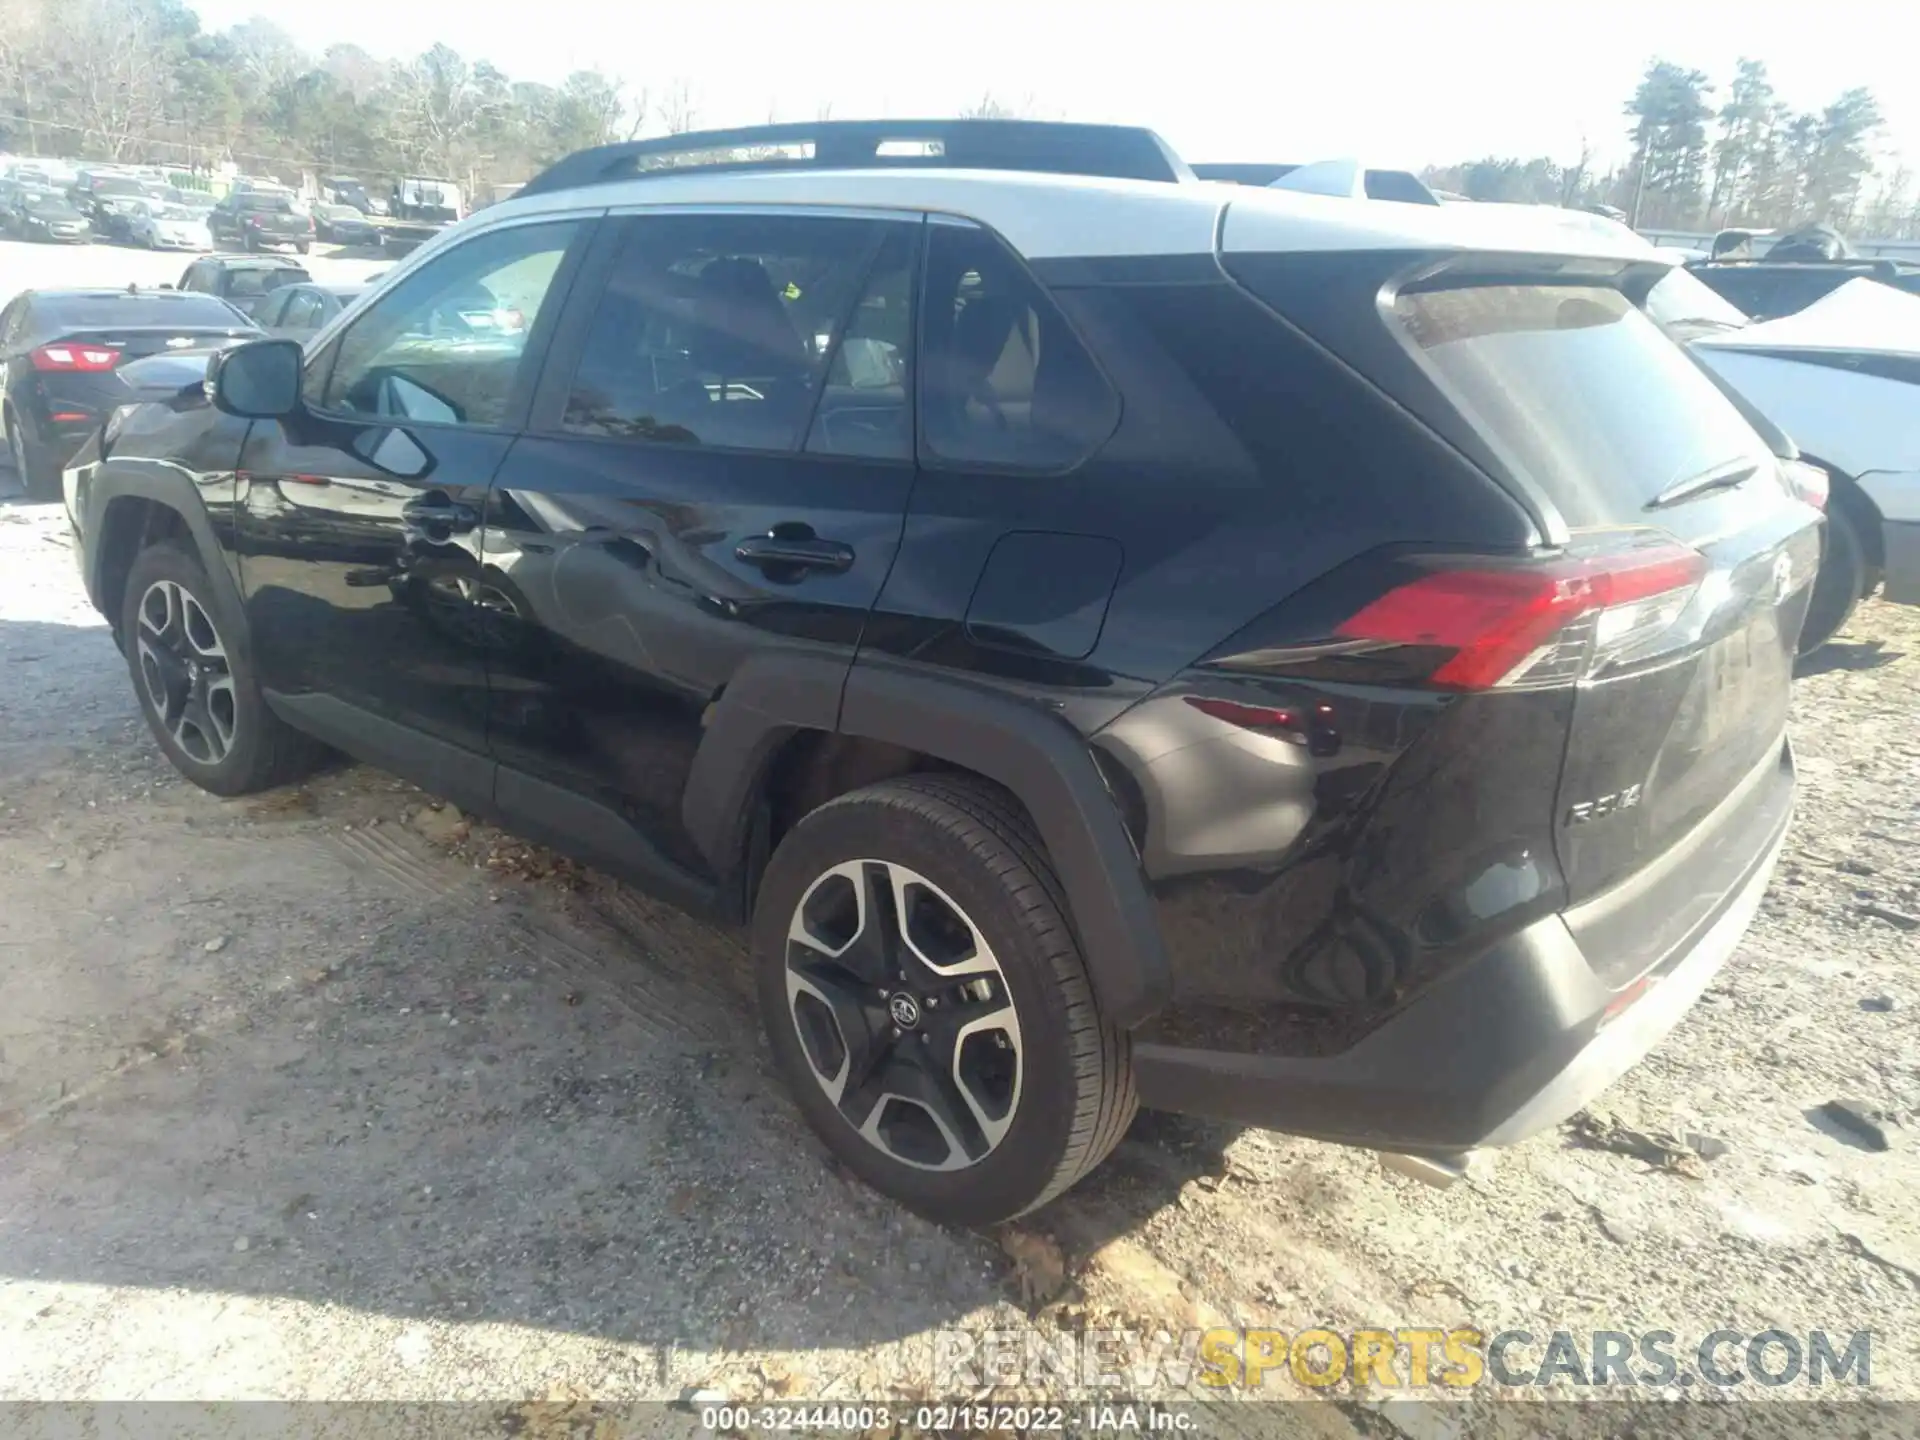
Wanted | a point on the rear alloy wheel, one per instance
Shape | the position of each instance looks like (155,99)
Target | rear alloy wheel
(903,1014)
(38,474)
(928,1005)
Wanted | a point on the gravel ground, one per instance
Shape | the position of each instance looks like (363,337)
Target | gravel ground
(333,1094)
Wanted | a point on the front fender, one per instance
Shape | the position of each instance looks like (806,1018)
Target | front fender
(112,508)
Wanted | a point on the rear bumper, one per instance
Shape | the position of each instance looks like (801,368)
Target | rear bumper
(1509,1046)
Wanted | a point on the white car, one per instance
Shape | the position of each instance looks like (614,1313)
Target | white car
(170,227)
(1842,377)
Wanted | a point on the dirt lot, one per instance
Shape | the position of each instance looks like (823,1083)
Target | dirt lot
(332,1094)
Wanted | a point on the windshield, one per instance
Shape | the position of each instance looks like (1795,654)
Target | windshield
(1582,391)
(46,201)
(178,212)
(1684,300)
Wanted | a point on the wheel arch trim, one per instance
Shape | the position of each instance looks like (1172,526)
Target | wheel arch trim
(169,489)
(1038,757)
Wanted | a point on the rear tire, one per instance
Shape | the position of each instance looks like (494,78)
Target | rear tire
(38,471)
(972,1077)
(1841,581)
(193,676)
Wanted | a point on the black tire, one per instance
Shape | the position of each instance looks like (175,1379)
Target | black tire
(1841,581)
(1076,1094)
(265,751)
(37,470)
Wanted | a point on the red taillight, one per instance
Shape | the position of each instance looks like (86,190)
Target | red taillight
(74,357)
(1507,626)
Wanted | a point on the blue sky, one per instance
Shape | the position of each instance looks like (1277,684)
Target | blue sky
(1398,83)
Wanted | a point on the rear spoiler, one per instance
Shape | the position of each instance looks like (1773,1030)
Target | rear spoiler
(1348,179)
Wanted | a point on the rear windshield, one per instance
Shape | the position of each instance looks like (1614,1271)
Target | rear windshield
(1584,393)
(115,311)
(260,281)
(270,204)
(117,187)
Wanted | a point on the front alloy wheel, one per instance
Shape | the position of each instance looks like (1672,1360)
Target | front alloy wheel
(185,674)
(903,1015)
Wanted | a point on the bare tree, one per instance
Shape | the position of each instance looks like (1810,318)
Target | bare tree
(678,110)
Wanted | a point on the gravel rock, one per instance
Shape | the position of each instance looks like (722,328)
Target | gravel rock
(1859,1119)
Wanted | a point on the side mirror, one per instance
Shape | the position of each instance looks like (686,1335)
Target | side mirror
(259,380)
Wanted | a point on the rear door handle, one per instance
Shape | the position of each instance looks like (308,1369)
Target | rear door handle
(768,551)
(441,513)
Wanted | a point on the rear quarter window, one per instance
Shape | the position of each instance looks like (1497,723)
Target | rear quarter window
(1580,390)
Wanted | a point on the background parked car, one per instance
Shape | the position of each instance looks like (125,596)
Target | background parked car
(344,225)
(170,225)
(243,280)
(294,312)
(62,350)
(47,215)
(102,197)
(1767,289)
(261,220)
(1842,377)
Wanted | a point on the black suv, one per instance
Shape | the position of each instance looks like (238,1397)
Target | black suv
(1115,638)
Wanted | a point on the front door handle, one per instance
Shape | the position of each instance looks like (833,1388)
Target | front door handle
(802,553)
(441,513)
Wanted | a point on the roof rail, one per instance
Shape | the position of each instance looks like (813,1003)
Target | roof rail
(1122,152)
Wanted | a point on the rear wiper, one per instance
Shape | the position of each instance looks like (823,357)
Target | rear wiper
(1700,484)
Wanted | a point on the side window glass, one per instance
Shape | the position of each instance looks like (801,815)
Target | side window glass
(716,329)
(864,408)
(1004,381)
(448,344)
